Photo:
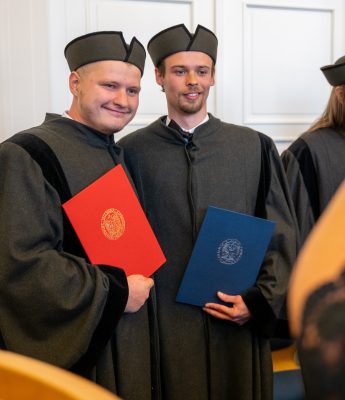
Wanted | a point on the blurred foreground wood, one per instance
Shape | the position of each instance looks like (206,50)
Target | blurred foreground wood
(25,378)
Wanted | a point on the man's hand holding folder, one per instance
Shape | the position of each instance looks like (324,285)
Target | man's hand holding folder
(226,258)
(238,311)
(138,292)
(114,231)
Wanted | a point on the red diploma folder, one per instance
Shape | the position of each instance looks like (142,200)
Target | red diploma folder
(112,226)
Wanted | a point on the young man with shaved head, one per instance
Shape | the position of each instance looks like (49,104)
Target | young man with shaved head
(55,305)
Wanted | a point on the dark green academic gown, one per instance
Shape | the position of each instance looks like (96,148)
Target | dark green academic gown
(54,305)
(315,168)
(197,357)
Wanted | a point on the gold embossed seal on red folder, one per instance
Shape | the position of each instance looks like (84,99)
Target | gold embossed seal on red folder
(113,224)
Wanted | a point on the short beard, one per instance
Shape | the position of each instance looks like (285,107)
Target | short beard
(191,109)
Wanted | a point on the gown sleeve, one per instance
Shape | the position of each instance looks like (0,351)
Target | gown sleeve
(266,300)
(54,306)
(302,182)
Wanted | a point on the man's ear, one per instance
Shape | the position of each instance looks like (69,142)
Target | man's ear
(213,80)
(213,74)
(159,77)
(339,92)
(74,81)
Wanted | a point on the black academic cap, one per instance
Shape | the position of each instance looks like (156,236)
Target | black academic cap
(177,38)
(335,73)
(101,46)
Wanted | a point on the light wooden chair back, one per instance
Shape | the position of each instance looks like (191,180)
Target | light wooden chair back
(287,377)
(25,378)
(285,359)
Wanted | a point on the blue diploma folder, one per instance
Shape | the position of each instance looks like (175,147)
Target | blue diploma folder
(227,256)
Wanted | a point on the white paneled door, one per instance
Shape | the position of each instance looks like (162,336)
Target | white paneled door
(272,54)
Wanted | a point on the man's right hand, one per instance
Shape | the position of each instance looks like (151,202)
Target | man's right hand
(138,291)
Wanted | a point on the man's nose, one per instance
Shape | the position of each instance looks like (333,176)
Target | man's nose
(121,98)
(191,79)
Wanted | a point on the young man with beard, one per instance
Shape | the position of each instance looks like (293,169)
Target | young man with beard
(55,306)
(182,163)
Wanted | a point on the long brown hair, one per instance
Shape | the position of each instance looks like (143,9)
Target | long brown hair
(334,114)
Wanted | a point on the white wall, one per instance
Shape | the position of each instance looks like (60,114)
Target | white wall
(271,58)
(24,64)
(270,52)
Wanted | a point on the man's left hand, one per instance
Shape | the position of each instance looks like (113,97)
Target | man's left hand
(238,313)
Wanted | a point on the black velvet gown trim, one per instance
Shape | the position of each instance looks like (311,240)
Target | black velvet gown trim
(264,321)
(112,312)
(302,153)
(41,152)
(265,177)
(53,173)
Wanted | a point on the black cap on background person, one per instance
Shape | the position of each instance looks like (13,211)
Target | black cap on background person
(335,73)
